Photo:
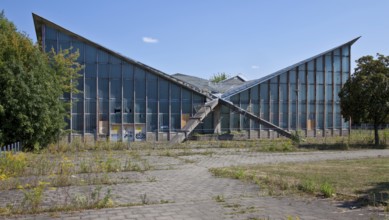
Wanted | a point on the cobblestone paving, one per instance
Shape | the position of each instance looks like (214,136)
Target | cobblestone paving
(190,191)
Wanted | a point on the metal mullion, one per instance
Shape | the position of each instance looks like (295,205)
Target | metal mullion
(250,107)
(297,99)
(341,85)
(180,107)
(70,97)
(133,102)
(325,99)
(146,103)
(306,99)
(97,97)
(158,125)
(270,109)
(315,102)
(288,99)
(279,101)
(122,102)
(259,110)
(109,98)
(84,118)
(333,95)
(170,109)
(349,75)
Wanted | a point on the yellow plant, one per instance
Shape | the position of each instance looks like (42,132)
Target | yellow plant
(12,165)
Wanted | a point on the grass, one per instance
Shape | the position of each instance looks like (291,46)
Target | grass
(344,179)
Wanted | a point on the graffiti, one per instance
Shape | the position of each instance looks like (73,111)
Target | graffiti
(140,136)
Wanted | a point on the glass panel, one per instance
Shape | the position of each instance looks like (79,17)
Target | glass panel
(152,106)
(51,34)
(102,57)
(116,118)
(328,69)
(80,47)
(77,106)
(90,123)
(163,90)
(114,60)
(319,64)
(77,122)
(345,65)
(91,54)
(103,88)
(283,78)
(90,106)
(140,118)
(186,101)
(163,122)
(345,50)
(292,76)
(128,71)
(152,120)
(128,89)
(175,106)
(128,118)
(103,70)
(90,88)
(175,92)
(90,70)
(116,88)
(103,106)
(116,71)
(175,122)
(116,106)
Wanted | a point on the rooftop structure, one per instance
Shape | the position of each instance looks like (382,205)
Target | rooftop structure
(125,100)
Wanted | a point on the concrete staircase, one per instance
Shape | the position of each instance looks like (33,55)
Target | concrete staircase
(208,107)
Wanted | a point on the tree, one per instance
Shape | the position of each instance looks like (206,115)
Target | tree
(365,95)
(218,77)
(31,84)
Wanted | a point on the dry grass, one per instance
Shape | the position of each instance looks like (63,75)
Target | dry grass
(345,179)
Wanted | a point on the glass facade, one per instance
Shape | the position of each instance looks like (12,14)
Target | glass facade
(127,101)
(122,100)
(303,98)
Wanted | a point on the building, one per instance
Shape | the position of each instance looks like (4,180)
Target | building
(126,100)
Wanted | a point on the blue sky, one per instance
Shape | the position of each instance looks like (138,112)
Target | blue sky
(202,38)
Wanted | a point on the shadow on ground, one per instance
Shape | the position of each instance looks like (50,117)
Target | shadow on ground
(341,146)
(375,196)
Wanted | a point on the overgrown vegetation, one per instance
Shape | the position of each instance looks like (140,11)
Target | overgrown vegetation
(365,95)
(361,180)
(31,83)
(218,77)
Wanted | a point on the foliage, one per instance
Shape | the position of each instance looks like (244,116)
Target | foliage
(218,77)
(12,165)
(31,83)
(365,96)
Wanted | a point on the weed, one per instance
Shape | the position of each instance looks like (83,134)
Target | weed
(32,198)
(12,164)
(152,179)
(307,186)
(144,199)
(327,189)
(219,198)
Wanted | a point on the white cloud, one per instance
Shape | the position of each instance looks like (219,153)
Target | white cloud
(254,67)
(150,40)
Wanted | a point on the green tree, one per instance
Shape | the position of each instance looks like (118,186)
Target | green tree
(32,83)
(365,95)
(218,77)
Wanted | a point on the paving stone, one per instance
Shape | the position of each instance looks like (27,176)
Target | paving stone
(191,189)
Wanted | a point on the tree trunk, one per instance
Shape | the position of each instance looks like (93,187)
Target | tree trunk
(376,136)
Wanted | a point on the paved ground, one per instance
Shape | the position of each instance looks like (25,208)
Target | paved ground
(186,190)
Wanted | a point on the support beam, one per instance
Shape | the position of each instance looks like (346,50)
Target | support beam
(256,118)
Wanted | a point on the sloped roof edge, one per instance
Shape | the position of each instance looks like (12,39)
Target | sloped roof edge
(38,21)
(253,83)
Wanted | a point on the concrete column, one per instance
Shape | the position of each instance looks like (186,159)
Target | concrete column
(217,120)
